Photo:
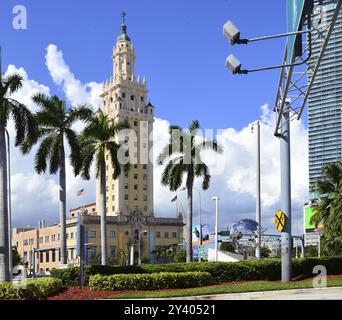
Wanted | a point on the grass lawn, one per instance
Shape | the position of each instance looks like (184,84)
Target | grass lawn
(225,288)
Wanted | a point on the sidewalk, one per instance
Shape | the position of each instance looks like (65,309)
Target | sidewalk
(334,293)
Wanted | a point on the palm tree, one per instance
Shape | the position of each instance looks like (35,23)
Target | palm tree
(329,209)
(123,255)
(24,127)
(97,141)
(55,124)
(184,154)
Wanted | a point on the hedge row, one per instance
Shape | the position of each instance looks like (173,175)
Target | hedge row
(34,289)
(154,281)
(267,269)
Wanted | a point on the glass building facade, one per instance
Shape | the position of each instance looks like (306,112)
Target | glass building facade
(325,100)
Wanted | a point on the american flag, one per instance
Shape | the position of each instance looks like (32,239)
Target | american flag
(80,193)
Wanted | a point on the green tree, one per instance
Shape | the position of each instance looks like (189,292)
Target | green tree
(183,154)
(123,255)
(16,260)
(228,247)
(97,141)
(180,257)
(55,129)
(24,127)
(329,209)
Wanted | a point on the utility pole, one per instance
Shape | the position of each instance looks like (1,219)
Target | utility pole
(258,193)
(285,164)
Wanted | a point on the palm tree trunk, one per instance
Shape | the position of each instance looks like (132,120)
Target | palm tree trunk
(103,214)
(62,210)
(189,227)
(4,232)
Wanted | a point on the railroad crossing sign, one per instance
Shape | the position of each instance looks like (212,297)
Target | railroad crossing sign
(280,220)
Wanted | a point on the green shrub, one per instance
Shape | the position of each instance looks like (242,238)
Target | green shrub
(155,281)
(180,257)
(35,289)
(265,269)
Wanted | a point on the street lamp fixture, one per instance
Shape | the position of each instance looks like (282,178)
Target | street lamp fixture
(234,65)
(232,34)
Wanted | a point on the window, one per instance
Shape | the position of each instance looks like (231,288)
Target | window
(174,235)
(113,208)
(112,251)
(41,257)
(145,177)
(135,166)
(113,234)
(92,234)
(145,198)
(53,238)
(135,123)
(47,256)
(135,187)
(142,99)
(145,166)
(71,235)
(124,95)
(47,239)
(25,243)
(41,240)
(166,235)
(136,197)
(158,235)
(113,198)
(126,197)
(126,186)
(92,252)
(127,233)
(145,187)
(72,254)
(53,256)
(132,98)
(136,177)
(25,257)
(113,187)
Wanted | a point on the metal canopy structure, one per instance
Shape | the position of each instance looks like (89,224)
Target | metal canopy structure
(294,88)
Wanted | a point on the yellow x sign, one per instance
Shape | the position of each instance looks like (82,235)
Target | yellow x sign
(280,220)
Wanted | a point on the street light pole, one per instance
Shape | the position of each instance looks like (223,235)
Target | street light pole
(258,193)
(216,199)
(285,163)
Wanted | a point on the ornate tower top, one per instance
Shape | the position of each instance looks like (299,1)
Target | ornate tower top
(123,35)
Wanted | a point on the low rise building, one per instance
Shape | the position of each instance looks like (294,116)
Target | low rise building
(39,247)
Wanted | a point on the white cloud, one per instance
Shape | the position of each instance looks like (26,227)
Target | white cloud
(237,183)
(75,91)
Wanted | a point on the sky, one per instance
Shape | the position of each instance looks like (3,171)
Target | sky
(180,48)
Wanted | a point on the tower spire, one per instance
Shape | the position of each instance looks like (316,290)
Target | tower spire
(123,24)
(123,35)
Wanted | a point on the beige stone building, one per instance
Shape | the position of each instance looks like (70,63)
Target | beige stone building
(131,220)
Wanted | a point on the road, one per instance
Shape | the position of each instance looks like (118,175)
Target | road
(298,294)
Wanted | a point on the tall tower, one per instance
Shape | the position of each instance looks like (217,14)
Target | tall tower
(325,100)
(124,98)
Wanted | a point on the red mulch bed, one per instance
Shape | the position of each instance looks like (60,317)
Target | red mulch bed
(75,293)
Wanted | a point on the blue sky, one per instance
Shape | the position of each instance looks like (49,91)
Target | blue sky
(179,46)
